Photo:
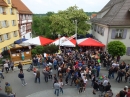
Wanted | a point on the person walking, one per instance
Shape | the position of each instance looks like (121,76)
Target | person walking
(20,66)
(12,65)
(46,75)
(8,88)
(37,76)
(6,66)
(1,73)
(81,85)
(57,88)
(61,85)
(21,76)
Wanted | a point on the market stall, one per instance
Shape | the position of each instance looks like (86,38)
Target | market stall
(89,42)
(38,41)
(20,53)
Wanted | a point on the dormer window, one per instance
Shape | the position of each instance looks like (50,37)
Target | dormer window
(8,1)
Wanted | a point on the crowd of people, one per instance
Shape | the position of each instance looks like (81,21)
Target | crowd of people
(77,67)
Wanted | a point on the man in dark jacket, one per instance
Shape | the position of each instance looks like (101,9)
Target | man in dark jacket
(46,75)
(21,76)
(119,76)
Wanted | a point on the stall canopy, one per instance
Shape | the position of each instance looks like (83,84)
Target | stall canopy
(89,42)
(63,41)
(39,41)
(20,41)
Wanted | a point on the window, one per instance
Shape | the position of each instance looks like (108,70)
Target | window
(7,23)
(128,51)
(6,36)
(23,28)
(15,34)
(102,30)
(4,11)
(3,24)
(1,10)
(119,33)
(1,38)
(11,11)
(8,1)
(95,27)
(13,23)
(23,17)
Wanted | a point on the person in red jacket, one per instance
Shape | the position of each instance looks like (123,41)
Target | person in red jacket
(128,93)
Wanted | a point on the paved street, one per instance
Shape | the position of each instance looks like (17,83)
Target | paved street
(38,90)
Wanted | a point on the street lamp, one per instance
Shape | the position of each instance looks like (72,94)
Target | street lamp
(76,29)
(59,40)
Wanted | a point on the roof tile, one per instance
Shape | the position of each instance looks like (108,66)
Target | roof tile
(118,14)
(3,3)
(21,7)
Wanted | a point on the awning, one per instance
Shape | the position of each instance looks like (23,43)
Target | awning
(89,42)
(20,41)
(38,41)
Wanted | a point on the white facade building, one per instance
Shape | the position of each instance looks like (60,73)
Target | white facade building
(113,23)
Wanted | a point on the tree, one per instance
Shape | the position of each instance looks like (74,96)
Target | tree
(116,48)
(64,21)
(37,50)
(41,25)
(51,49)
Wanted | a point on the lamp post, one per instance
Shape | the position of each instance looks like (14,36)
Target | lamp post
(76,29)
(59,40)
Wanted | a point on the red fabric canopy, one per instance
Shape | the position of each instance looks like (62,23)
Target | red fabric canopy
(89,42)
(45,41)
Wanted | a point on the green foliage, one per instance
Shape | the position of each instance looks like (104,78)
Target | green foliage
(51,49)
(37,50)
(116,48)
(64,21)
(41,25)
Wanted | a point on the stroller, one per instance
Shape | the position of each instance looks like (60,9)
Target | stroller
(30,68)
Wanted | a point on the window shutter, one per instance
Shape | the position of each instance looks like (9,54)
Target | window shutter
(128,51)
(103,29)
(113,34)
(12,23)
(124,34)
(1,11)
(0,24)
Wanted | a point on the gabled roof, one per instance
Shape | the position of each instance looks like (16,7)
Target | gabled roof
(3,3)
(21,7)
(118,14)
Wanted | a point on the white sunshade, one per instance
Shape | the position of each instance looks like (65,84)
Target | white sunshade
(33,41)
(81,40)
(67,44)
(59,41)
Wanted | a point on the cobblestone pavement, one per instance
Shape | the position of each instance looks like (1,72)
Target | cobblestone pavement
(45,89)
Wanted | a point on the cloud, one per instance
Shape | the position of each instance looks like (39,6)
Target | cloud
(43,6)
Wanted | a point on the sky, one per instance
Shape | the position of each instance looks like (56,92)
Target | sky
(44,6)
